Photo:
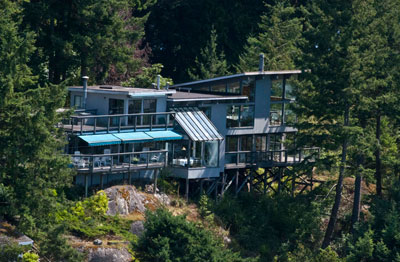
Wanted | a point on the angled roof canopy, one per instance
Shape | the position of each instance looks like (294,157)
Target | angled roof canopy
(132,137)
(196,125)
(101,140)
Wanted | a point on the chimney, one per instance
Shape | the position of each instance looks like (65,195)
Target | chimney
(167,86)
(261,63)
(84,80)
(158,82)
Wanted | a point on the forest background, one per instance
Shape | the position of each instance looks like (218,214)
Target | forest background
(347,105)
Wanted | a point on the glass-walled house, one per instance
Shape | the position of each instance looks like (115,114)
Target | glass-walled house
(199,130)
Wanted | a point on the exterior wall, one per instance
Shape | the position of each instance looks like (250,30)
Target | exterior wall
(195,173)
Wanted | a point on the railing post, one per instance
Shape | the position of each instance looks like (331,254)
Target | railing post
(166,121)
(151,122)
(72,125)
(147,160)
(95,123)
(81,126)
(119,124)
(112,163)
(135,123)
(108,124)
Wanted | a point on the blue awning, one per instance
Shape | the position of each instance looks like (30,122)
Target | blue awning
(132,137)
(101,140)
(164,135)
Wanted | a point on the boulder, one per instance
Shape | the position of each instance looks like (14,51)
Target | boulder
(124,200)
(109,255)
(137,228)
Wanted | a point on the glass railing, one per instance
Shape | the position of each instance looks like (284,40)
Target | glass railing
(274,156)
(111,123)
(119,161)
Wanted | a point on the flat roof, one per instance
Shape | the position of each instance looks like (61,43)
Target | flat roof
(193,96)
(132,91)
(258,73)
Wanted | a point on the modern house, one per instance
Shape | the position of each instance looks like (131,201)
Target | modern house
(216,132)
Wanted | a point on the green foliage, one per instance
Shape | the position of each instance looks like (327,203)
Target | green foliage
(97,38)
(11,252)
(88,219)
(177,30)
(271,226)
(54,246)
(279,39)
(147,77)
(209,64)
(173,238)
(30,257)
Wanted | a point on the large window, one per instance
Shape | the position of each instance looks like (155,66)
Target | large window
(282,95)
(202,154)
(138,106)
(248,88)
(234,87)
(220,88)
(78,102)
(116,106)
(240,116)
(149,106)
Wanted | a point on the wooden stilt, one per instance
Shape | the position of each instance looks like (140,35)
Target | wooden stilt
(279,180)
(293,183)
(187,189)
(236,181)
(155,181)
(101,181)
(130,178)
(86,186)
(223,184)
(265,182)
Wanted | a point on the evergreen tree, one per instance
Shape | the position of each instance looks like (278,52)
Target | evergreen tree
(172,238)
(279,39)
(76,38)
(210,64)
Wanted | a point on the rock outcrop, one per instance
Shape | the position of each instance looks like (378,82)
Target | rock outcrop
(124,200)
(109,255)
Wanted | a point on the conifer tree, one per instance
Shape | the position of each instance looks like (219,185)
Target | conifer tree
(210,63)
(279,39)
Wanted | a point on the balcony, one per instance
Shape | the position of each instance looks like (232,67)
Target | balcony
(273,158)
(86,123)
(119,162)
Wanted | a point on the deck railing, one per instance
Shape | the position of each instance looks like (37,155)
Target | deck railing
(119,161)
(273,156)
(111,123)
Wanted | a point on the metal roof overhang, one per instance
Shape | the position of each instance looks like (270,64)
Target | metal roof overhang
(196,125)
(132,137)
(101,140)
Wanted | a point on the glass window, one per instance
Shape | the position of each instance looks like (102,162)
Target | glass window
(149,106)
(195,154)
(135,107)
(261,143)
(206,111)
(248,86)
(232,116)
(116,106)
(78,101)
(231,143)
(220,88)
(246,116)
(211,153)
(275,141)
(246,143)
(234,87)
(202,88)
(276,88)
(179,153)
(275,114)
(290,86)
(290,116)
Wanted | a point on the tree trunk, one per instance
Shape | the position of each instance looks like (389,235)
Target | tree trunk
(378,163)
(357,194)
(339,187)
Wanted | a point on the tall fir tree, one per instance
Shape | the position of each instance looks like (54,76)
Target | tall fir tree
(279,39)
(210,63)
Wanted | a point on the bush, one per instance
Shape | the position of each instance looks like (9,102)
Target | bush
(172,238)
